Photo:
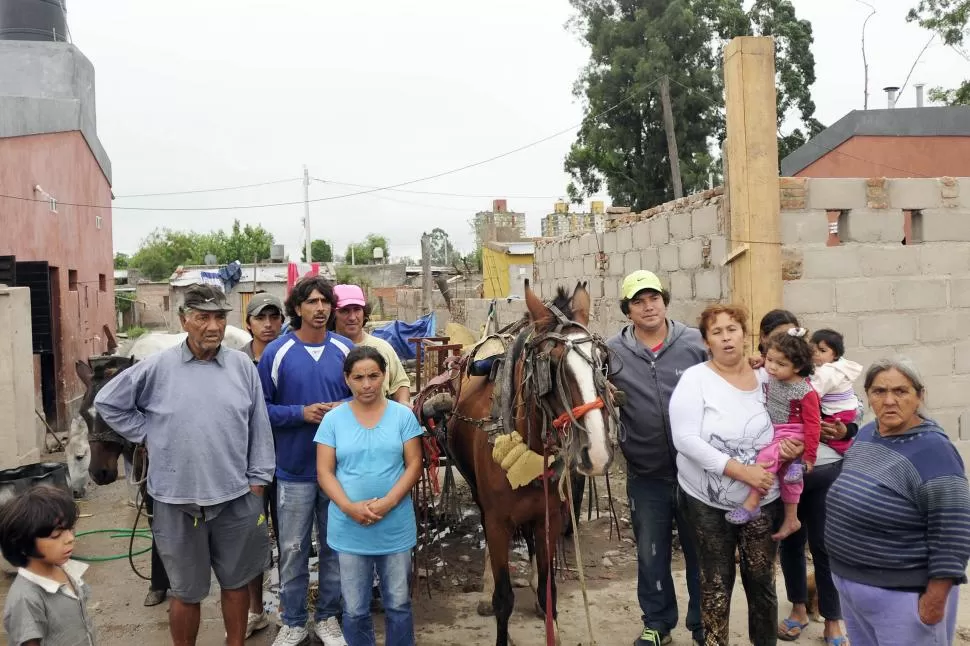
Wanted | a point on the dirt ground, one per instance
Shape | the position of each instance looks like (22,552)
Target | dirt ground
(445,598)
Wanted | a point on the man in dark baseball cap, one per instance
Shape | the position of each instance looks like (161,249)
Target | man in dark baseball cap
(204,298)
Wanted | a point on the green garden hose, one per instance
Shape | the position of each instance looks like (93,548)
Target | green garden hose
(129,534)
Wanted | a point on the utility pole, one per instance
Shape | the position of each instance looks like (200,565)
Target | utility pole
(671,138)
(306,213)
(426,278)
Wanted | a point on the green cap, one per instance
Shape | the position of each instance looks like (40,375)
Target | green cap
(638,281)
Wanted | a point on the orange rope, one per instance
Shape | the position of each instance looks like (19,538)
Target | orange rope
(578,412)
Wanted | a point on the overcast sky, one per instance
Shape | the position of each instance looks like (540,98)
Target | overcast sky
(198,95)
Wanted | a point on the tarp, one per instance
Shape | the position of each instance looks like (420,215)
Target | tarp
(397,333)
(224,278)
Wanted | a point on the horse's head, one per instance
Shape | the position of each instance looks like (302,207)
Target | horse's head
(106,445)
(568,368)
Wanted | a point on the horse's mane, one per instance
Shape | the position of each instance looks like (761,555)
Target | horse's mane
(561,302)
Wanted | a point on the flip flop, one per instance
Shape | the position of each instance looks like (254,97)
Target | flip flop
(841,640)
(790,630)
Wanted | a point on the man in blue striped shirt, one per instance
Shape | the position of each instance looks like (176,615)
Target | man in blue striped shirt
(302,376)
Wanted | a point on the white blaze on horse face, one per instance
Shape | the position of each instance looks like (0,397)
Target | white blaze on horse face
(599,440)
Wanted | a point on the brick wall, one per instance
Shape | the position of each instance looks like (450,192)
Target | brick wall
(684,242)
(884,296)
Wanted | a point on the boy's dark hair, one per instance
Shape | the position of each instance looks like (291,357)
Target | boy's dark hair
(796,349)
(36,513)
(625,302)
(769,322)
(362,353)
(832,339)
(301,291)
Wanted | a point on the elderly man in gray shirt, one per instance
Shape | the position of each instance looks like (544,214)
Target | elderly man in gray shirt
(199,410)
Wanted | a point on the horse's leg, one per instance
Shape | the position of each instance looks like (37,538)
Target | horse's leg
(488,587)
(577,487)
(545,555)
(530,542)
(503,599)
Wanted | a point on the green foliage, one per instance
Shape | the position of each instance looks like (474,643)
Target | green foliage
(345,275)
(124,302)
(134,332)
(320,250)
(164,250)
(442,251)
(121,260)
(950,20)
(362,253)
(473,261)
(621,146)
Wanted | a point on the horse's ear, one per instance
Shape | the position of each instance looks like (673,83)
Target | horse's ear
(580,303)
(538,311)
(84,372)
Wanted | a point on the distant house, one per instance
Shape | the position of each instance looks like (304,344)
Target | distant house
(505,268)
(901,142)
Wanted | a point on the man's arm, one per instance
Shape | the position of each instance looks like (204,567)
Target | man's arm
(280,415)
(262,452)
(120,405)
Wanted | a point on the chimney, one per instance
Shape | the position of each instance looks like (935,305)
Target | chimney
(891,95)
(499,206)
(919,94)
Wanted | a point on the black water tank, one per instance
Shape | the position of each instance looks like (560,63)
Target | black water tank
(33,20)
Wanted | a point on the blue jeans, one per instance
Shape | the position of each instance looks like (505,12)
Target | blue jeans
(356,581)
(297,505)
(653,507)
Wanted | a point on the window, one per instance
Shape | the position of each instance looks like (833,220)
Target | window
(97,221)
(102,283)
(72,279)
(165,303)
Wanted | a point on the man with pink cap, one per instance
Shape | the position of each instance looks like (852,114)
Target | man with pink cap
(351,315)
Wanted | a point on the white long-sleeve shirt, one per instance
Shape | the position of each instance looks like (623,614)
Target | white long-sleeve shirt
(711,422)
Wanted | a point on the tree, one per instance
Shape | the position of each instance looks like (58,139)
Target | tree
(362,253)
(244,244)
(442,251)
(633,43)
(949,19)
(121,260)
(320,251)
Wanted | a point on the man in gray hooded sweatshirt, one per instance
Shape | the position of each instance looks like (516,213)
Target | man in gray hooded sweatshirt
(653,352)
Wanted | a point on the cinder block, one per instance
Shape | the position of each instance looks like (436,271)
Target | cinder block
(836,194)
(831,262)
(864,225)
(632,261)
(932,360)
(680,226)
(659,231)
(848,327)
(915,194)
(964,425)
(947,392)
(681,285)
(669,257)
(589,265)
(574,250)
(866,295)
(726,285)
(624,239)
(611,288)
(609,242)
(894,260)
(690,253)
(939,225)
(961,358)
(810,296)
(588,244)
(944,326)
(887,330)
(705,220)
(804,226)
(707,284)
(948,419)
(920,294)
(944,258)
(641,234)
(959,292)
(719,250)
(964,199)
(595,288)
(649,259)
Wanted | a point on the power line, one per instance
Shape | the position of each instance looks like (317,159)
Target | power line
(444,194)
(375,189)
(209,190)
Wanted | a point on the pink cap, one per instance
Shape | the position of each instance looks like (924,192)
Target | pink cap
(347,295)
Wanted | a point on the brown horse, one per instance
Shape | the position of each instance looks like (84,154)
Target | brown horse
(553,392)
(106,445)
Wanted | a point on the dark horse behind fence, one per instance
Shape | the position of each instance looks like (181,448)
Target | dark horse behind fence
(552,389)
(106,445)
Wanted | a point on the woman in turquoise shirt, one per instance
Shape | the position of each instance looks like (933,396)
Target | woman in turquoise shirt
(368,460)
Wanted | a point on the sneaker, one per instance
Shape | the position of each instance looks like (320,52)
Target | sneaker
(291,636)
(651,637)
(256,622)
(740,515)
(794,473)
(328,631)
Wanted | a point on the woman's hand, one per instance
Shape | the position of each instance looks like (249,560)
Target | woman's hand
(756,362)
(833,431)
(361,512)
(381,506)
(758,477)
(789,449)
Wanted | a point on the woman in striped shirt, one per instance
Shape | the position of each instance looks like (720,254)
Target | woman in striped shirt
(897,525)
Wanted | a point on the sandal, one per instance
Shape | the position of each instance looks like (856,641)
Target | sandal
(740,515)
(791,629)
(841,640)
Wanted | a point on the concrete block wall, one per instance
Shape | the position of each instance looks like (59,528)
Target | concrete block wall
(893,277)
(21,437)
(683,242)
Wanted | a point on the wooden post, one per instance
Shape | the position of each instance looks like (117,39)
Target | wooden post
(427,280)
(752,156)
(671,138)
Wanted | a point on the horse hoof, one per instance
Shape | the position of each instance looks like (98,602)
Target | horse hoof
(485,609)
(154,597)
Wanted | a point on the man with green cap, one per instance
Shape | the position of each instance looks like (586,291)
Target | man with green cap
(654,351)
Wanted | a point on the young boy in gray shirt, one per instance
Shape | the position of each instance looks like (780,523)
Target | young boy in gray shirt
(47,603)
